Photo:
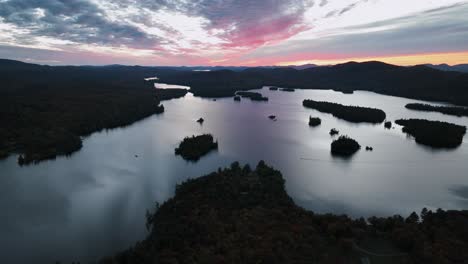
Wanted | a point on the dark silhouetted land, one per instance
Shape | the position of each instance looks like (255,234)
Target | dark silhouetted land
(287,89)
(44,111)
(334,132)
(448,110)
(416,82)
(314,121)
(254,96)
(193,148)
(356,114)
(435,134)
(239,215)
(344,146)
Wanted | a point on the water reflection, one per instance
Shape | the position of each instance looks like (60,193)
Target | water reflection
(93,203)
(151,78)
(169,86)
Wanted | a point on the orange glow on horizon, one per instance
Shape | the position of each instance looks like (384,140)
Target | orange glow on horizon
(451,58)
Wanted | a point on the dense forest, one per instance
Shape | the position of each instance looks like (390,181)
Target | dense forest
(239,215)
(448,110)
(436,134)
(44,111)
(356,114)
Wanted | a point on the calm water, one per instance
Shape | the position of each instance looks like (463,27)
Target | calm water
(93,203)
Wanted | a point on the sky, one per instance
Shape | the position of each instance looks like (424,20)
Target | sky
(233,32)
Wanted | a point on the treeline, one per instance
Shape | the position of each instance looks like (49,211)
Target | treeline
(240,215)
(44,111)
(448,110)
(355,114)
(436,134)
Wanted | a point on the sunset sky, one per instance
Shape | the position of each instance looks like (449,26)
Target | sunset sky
(233,32)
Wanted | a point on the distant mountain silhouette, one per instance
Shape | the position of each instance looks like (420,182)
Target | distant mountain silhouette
(417,82)
(16,65)
(305,66)
(446,67)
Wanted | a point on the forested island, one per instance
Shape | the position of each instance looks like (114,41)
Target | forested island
(448,110)
(344,146)
(240,215)
(356,114)
(254,96)
(46,113)
(314,121)
(288,89)
(193,148)
(435,134)
(388,124)
(334,132)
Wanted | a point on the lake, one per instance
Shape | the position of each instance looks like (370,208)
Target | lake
(93,203)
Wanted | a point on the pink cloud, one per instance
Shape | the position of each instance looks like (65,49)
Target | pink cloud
(269,31)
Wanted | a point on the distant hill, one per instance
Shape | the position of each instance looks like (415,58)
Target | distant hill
(446,67)
(302,67)
(16,65)
(417,82)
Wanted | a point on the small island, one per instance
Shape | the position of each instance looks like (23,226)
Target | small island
(334,132)
(344,146)
(244,215)
(254,96)
(288,89)
(388,124)
(356,114)
(447,110)
(314,121)
(435,134)
(193,148)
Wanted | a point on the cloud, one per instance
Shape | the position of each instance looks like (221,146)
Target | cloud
(438,30)
(224,31)
(237,23)
(77,21)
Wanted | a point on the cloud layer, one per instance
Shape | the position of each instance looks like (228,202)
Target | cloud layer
(234,32)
